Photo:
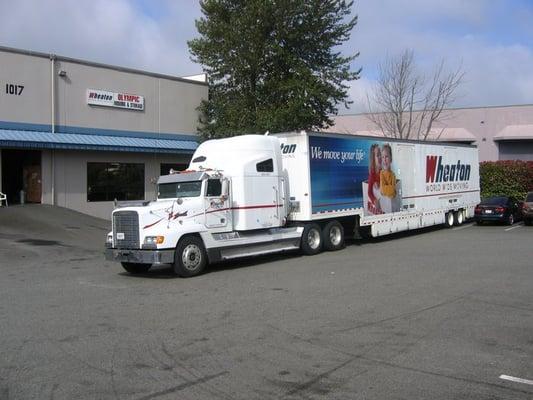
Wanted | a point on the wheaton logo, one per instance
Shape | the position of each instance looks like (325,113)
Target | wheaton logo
(288,148)
(436,171)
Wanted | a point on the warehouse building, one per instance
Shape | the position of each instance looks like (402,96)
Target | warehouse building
(81,135)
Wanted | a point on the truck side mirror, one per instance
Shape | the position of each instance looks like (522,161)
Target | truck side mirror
(225,189)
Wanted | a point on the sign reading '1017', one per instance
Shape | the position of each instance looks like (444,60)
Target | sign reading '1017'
(14,89)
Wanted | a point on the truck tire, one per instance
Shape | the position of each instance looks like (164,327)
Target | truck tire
(333,236)
(459,217)
(311,242)
(134,268)
(449,219)
(190,257)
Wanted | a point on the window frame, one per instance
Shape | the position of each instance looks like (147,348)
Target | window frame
(267,164)
(207,187)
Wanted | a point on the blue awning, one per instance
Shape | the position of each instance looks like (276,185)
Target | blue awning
(49,140)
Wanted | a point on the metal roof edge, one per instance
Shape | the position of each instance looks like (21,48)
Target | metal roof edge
(458,108)
(35,139)
(89,147)
(52,56)
(78,130)
(514,138)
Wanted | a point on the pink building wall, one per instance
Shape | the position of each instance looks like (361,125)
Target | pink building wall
(484,123)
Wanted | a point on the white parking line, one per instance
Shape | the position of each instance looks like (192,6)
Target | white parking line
(513,379)
(513,227)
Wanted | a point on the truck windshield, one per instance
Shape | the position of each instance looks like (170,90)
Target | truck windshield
(179,189)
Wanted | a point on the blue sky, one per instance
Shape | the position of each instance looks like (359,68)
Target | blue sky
(491,39)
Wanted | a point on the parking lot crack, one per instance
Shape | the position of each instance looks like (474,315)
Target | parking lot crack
(502,305)
(404,315)
(306,385)
(183,386)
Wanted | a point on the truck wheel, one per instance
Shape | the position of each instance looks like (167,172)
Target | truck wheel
(333,236)
(449,219)
(190,258)
(459,217)
(311,240)
(134,268)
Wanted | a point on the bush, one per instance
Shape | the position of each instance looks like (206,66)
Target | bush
(509,178)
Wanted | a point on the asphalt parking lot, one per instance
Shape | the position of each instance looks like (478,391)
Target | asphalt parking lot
(440,314)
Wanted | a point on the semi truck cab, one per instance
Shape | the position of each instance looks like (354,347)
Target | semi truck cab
(231,202)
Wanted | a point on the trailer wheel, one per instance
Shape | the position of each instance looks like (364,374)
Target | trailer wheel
(459,217)
(449,219)
(311,240)
(134,268)
(333,236)
(190,258)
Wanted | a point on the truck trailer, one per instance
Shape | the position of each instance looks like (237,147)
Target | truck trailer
(251,195)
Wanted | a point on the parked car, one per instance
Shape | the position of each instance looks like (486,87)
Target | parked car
(498,209)
(527,209)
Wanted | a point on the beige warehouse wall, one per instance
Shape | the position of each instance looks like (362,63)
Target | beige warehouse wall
(71,177)
(170,105)
(33,105)
(170,102)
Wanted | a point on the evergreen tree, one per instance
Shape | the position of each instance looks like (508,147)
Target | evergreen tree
(272,64)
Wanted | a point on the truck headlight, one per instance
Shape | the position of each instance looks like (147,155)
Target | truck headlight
(154,239)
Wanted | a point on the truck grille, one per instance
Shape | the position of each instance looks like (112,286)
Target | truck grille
(126,223)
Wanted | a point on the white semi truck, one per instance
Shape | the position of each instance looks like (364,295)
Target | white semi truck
(251,195)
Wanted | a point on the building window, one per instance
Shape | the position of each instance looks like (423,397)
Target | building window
(110,181)
(265,166)
(165,168)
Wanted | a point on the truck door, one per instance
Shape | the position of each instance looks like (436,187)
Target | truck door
(217,209)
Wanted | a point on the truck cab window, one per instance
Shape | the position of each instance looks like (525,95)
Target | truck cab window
(214,188)
(265,166)
(179,189)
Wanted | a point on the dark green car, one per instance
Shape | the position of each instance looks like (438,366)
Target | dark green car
(498,209)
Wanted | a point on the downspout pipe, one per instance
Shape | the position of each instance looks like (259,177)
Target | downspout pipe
(53,120)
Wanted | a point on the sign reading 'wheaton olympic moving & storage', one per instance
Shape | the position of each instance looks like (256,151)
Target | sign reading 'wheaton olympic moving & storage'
(118,100)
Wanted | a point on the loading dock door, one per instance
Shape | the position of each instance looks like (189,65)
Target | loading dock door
(21,170)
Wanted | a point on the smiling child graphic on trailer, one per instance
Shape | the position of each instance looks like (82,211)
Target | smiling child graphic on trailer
(387,179)
(382,189)
(389,200)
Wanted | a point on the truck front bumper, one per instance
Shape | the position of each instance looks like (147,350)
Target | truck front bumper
(154,257)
